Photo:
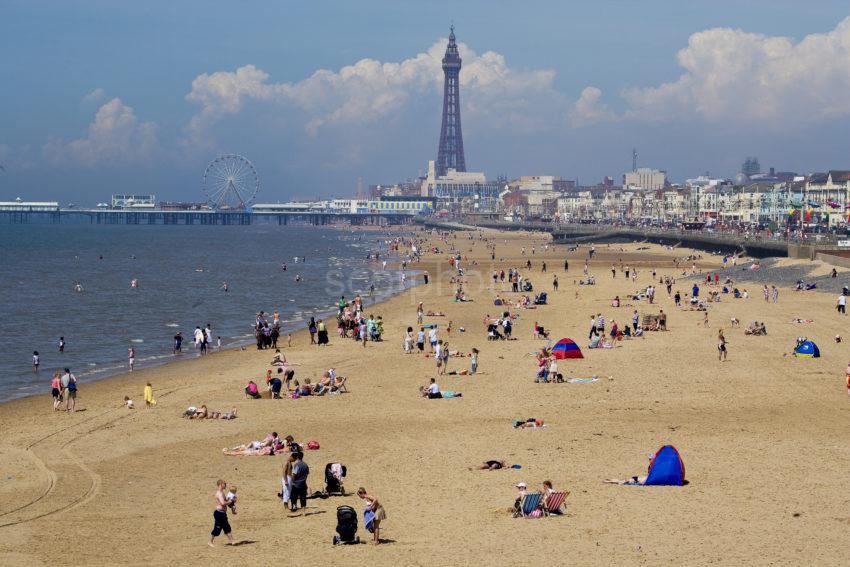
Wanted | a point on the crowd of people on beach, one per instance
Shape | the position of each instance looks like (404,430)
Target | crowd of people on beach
(353,322)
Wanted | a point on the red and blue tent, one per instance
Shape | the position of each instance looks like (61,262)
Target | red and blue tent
(566,348)
(666,468)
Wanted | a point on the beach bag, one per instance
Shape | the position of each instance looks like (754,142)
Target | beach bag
(313,445)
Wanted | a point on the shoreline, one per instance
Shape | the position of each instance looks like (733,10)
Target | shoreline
(118,473)
(190,355)
(109,369)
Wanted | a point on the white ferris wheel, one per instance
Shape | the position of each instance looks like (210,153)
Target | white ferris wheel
(230,182)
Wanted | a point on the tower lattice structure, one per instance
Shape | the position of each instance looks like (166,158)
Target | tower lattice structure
(450,152)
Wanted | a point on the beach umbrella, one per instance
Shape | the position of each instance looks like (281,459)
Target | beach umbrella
(566,348)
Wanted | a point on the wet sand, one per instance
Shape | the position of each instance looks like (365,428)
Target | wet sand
(763,437)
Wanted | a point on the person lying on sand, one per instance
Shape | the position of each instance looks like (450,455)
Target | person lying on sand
(435,314)
(265,447)
(490,466)
(632,481)
(247,451)
(433,392)
(530,423)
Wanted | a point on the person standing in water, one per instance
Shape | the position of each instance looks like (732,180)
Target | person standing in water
(61,345)
(131,357)
(36,361)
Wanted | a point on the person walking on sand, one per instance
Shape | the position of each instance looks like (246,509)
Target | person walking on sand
(286,481)
(69,389)
(775,293)
(220,514)
(842,304)
(150,401)
(300,472)
(56,390)
(848,378)
(721,346)
(444,357)
(374,506)
(555,282)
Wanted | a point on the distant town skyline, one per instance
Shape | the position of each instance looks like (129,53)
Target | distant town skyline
(106,98)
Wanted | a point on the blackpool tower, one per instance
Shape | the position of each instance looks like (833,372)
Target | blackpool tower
(450,152)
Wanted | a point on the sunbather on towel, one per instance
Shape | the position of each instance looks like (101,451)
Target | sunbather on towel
(632,481)
(490,466)
(530,423)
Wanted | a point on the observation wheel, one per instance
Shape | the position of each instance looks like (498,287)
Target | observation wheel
(230,182)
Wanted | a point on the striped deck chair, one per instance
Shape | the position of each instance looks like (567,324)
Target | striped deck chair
(530,503)
(556,500)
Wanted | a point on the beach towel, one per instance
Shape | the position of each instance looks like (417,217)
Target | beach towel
(368,519)
(582,380)
(336,470)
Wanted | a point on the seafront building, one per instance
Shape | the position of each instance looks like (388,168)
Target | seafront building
(461,191)
(645,178)
(21,206)
(133,202)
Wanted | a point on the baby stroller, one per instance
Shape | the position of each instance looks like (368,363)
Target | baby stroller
(526,286)
(541,298)
(333,485)
(346,526)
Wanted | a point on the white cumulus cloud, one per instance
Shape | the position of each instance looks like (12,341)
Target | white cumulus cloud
(589,109)
(369,90)
(115,137)
(730,74)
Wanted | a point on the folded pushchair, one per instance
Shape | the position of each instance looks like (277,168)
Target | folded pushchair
(333,485)
(346,525)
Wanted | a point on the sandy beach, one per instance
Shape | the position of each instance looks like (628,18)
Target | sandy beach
(763,436)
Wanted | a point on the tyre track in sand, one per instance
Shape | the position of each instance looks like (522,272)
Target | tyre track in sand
(64,472)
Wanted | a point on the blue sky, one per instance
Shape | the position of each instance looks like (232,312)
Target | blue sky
(101,97)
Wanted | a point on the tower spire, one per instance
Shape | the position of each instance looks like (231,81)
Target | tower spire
(450,152)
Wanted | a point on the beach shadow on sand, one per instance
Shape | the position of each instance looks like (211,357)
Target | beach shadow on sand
(242,542)
(305,514)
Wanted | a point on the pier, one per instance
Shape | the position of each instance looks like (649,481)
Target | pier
(199,217)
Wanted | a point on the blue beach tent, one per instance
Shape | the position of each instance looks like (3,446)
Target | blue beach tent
(807,349)
(667,468)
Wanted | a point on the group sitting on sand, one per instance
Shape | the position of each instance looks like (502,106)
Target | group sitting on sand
(756,328)
(330,383)
(536,504)
(433,392)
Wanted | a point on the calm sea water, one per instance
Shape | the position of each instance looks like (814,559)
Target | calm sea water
(180,272)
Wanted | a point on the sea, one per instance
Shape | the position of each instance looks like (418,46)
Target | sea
(74,281)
